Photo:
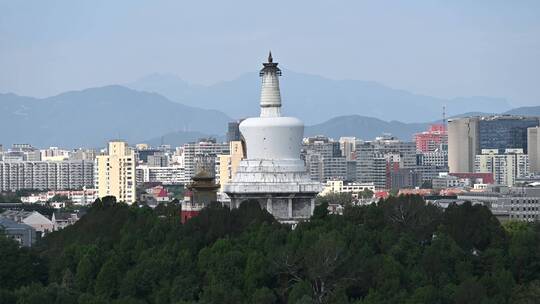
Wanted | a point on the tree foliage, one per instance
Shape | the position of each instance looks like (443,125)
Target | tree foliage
(400,250)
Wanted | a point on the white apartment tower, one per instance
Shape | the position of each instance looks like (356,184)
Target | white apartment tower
(504,167)
(116,172)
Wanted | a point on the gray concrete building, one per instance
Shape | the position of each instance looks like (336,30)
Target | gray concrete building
(324,160)
(509,203)
(376,159)
(21,233)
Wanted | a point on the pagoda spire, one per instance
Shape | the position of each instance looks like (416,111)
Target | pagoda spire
(270,93)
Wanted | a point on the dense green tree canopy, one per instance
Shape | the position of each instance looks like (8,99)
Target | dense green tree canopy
(399,250)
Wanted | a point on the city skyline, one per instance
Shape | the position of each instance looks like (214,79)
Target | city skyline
(123,189)
(439,49)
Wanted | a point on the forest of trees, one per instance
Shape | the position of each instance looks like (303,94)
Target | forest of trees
(399,250)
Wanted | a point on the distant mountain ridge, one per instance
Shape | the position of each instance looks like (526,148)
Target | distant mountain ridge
(315,98)
(368,127)
(530,111)
(364,127)
(90,117)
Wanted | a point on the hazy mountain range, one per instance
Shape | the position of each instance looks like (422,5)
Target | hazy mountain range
(315,99)
(90,117)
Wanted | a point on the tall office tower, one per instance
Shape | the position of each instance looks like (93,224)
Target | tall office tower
(233,131)
(435,138)
(467,137)
(273,174)
(533,148)
(505,132)
(205,147)
(347,146)
(228,163)
(505,167)
(116,172)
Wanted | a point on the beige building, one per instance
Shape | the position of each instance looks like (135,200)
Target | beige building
(504,167)
(116,172)
(462,144)
(228,163)
(533,148)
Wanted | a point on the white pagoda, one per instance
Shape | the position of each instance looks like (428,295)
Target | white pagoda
(272,172)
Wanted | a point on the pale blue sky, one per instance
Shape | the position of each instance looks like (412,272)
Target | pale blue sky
(439,48)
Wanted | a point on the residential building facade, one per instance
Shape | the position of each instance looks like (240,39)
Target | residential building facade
(116,172)
(506,167)
(43,175)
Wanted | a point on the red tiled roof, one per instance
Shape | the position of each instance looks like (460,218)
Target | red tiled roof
(162,193)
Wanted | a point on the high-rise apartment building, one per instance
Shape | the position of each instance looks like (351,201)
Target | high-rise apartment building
(116,172)
(205,147)
(505,167)
(434,138)
(46,175)
(467,137)
(324,160)
(169,175)
(533,148)
(437,158)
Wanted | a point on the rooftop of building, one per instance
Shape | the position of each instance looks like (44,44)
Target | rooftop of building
(7,223)
(496,117)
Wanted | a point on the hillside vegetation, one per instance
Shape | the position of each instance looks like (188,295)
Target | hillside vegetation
(397,251)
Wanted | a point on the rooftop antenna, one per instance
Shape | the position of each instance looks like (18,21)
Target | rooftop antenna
(444,116)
